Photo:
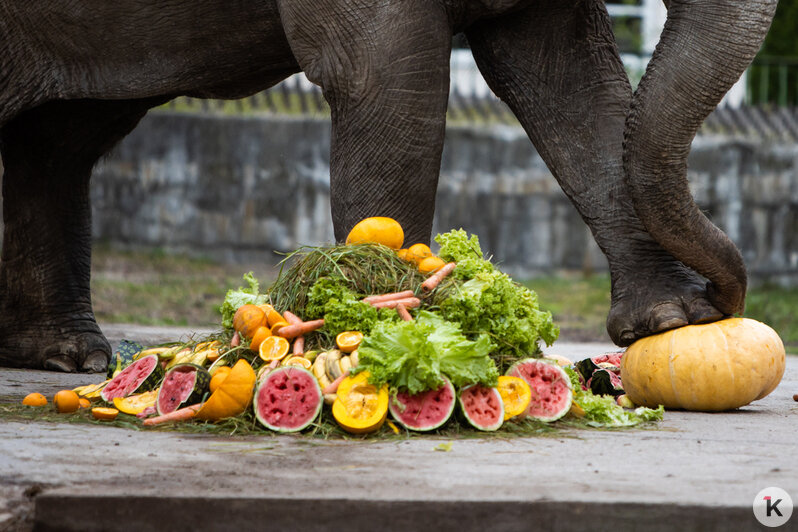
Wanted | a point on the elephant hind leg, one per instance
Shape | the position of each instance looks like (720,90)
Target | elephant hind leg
(46,317)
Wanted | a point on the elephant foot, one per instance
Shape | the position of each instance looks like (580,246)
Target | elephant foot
(656,298)
(55,345)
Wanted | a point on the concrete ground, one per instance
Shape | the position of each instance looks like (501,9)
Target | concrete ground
(693,471)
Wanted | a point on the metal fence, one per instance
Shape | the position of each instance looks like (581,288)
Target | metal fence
(773,80)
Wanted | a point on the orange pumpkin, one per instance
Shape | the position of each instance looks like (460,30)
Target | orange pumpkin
(711,367)
(233,395)
(359,407)
(247,319)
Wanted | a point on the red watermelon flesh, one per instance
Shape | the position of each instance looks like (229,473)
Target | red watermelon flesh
(482,407)
(143,373)
(177,388)
(426,410)
(288,399)
(551,388)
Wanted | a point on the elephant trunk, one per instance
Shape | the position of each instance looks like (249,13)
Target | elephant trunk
(704,48)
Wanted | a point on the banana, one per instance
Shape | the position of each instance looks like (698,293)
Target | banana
(346,364)
(330,398)
(331,365)
(200,357)
(354,358)
(160,351)
(318,365)
(324,381)
(311,355)
(184,355)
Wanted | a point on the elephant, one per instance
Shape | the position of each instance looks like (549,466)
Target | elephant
(76,77)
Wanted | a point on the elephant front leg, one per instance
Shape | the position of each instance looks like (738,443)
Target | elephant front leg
(46,318)
(384,70)
(557,66)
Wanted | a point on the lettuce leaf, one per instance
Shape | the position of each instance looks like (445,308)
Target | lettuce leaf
(415,355)
(341,308)
(243,296)
(603,411)
(456,246)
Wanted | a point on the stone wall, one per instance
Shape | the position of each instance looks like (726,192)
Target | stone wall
(241,188)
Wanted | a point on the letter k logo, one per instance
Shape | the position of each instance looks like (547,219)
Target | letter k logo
(772,506)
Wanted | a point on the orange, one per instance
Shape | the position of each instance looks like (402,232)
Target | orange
(418,252)
(430,264)
(273,348)
(377,230)
(404,254)
(516,395)
(104,414)
(247,319)
(273,317)
(266,308)
(219,376)
(84,403)
(66,401)
(348,341)
(34,399)
(297,360)
(260,335)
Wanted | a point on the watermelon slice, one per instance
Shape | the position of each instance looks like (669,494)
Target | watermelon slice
(551,388)
(288,399)
(426,410)
(184,384)
(143,375)
(482,407)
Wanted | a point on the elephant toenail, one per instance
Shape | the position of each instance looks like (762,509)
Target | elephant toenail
(627,338)
(96,362)
(62,363)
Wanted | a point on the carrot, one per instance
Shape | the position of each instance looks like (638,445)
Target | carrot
(409,302)
(291,318)
(236,341)
(182,414)
(403,313)
(435,279)
(299,345)
(333,386)
(299,329)
(388,297)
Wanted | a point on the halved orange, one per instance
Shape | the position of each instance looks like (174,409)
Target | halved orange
(104,414)
(516,395)
(297,360)
(261,333)
(273,348)
(348,341)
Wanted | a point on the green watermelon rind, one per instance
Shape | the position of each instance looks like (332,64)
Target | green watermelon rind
(152,381)
(473,422)
(264,382)
(202,385)
(565,379)
(394,406)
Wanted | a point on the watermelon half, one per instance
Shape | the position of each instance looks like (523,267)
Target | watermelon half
(426,410)
(143,375)
(482,407)
(551,388)
(288,399)
(184,384)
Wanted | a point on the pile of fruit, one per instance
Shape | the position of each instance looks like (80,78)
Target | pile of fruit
(348,333)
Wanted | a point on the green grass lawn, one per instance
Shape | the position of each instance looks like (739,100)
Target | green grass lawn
(155,288)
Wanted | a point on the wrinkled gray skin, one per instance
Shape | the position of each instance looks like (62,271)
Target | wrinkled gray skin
(75,77)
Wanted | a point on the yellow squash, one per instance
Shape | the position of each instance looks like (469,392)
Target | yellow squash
(233,395)
(711,367)
(359,407)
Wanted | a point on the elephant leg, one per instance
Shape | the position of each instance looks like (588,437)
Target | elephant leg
(46,317)
(384,69)
(557,66)
(704,48)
